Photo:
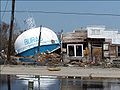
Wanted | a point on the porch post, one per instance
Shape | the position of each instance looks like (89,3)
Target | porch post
(102,52)
(90,50)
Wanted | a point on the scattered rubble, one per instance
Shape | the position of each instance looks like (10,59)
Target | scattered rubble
(46,59)
(53,59)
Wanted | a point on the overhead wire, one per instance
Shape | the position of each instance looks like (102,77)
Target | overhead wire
(5,10)
(67,13)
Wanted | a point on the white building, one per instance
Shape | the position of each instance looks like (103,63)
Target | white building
(111,46)
(102,32)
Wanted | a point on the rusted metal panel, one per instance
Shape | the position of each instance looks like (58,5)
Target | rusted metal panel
(78,36)
(113,52)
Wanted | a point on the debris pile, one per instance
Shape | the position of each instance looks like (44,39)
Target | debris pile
(50,59)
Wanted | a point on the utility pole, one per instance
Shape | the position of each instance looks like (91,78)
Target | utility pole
(39,39)
(10,32)
(0,36)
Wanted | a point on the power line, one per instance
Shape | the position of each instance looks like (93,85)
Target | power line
(65,13)
(5,9)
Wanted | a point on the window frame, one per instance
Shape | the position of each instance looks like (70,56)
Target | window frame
(74,49)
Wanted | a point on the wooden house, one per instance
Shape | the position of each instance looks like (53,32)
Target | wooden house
(73,44)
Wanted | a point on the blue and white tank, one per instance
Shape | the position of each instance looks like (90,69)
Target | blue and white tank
(27,43)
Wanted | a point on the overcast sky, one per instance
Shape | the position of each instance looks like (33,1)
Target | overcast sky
(61,20)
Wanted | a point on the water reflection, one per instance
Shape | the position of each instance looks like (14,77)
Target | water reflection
(20,82)
(78,84)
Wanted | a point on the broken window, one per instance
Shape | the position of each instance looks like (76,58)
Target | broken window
(118,50)
(71,50)
(78,50)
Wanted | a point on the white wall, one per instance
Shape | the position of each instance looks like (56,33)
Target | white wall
(101,32)
(95,32)
(116,39)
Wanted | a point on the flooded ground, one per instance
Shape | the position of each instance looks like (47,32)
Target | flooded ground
(22,82)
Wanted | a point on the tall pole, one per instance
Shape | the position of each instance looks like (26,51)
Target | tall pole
(39,40)
(0,36)
(10,32)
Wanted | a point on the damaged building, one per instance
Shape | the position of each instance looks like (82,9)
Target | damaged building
(73,44)
(93,42)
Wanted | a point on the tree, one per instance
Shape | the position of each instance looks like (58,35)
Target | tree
(3,35)
(4,28)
